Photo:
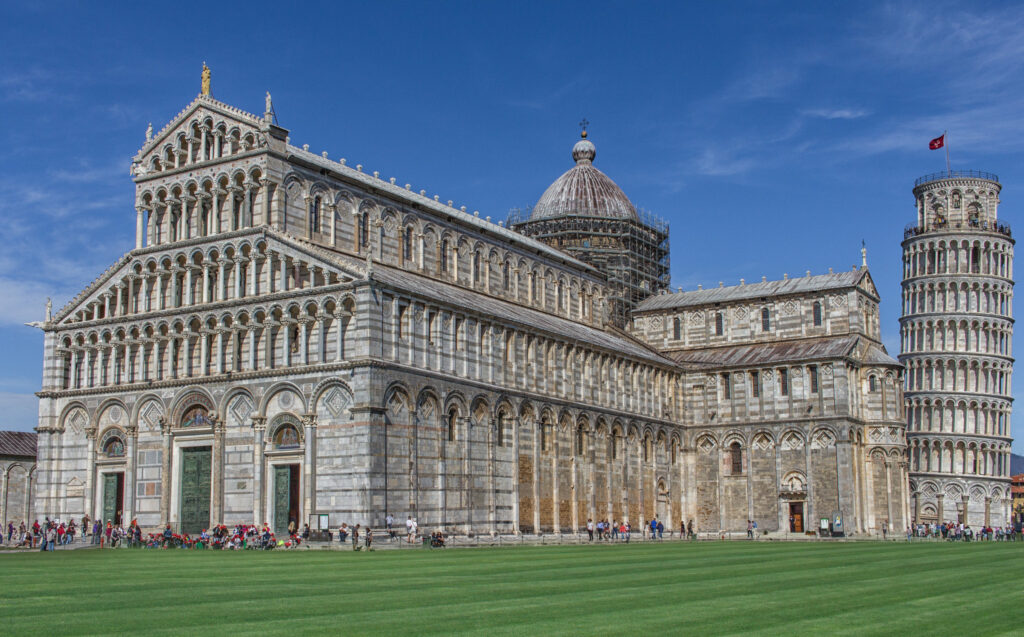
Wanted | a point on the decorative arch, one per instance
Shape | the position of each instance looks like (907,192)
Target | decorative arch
(193,408)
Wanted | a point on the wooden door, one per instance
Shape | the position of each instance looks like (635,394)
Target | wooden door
(796,513)
(195,489)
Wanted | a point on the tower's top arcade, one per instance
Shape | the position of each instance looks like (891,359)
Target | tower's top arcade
(957,201)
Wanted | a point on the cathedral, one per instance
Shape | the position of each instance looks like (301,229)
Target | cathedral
(294,339)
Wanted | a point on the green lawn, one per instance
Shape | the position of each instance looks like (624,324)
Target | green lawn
(706,588)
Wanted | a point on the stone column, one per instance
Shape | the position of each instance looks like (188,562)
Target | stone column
(304,340)
(165,473)
(90,471)
(129,473)
(515,476)
(217,481)
(492,514)
(965,501)
(140,214)
(189,295)
(265,183)
(259,426)
(536,476)
(309,465)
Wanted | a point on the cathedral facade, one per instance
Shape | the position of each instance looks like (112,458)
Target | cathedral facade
(292,338)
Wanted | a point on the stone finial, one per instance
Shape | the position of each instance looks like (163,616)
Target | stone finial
(743,281)
(785,276)
(863,254)
(324,154)
(764,279)
(830,270)
(149,132)
(268,106)
(205,83)
(305,147)
(808,274)
(700,286)
(49,309)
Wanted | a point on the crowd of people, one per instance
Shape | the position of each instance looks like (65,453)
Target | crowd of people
(960,532)
(50,534)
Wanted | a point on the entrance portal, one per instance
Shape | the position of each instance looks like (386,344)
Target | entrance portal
(286,497)
(195,489)
(796,517)
(113,497)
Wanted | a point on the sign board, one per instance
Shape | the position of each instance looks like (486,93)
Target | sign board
(837,521)
(319,522)
(823,524)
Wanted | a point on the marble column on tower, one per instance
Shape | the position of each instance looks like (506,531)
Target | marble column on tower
(265,183)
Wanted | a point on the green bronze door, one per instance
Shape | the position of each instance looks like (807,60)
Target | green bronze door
(282,491)
(195,489)
(109,497)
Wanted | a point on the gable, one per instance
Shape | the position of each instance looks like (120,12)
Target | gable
(867,285)
(124,277)
(205,130)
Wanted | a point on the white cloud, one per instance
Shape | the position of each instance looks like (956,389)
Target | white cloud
(23,301)
(835,113)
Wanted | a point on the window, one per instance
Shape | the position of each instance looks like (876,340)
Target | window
(444,255)
(736,459)
(504,276)
(544,437)
(401,320)
(476,268)
(817,314)
(872,384)
(766,322)
(784,381)
(755,384)
(455,334)
(726,386)
(813,372)
(719,324)
(364,229)
(452,422)
(407,245)
(677,329)
(314,221)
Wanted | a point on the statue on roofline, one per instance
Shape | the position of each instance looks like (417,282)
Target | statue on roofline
(206,80)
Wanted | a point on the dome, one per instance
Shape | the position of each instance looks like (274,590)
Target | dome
(584,191)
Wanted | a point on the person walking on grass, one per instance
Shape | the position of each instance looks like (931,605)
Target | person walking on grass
(409,529)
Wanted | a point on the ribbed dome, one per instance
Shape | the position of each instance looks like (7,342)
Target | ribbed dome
(584,191)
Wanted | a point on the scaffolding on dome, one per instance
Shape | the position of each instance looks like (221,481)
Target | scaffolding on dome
(632,252)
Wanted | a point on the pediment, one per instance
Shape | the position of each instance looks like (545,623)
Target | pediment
(331,266)
(867,285)
(233,125)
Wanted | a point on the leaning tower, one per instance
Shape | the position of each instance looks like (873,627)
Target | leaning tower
(956,337)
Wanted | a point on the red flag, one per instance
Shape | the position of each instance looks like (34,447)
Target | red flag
(937,143)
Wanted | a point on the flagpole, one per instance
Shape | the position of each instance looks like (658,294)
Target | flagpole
(949,172)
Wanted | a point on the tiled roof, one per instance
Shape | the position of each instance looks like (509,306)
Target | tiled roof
(774,353)
(799,285)
(18,443)
(503,310)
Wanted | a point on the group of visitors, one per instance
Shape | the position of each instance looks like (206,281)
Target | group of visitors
(960,532)
(617,531)
(239,537)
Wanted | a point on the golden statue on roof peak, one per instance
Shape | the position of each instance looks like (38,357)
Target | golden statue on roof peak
(206,80)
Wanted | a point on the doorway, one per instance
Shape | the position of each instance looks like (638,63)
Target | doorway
(286,497)
(195,489)
(796,517)
(113,497)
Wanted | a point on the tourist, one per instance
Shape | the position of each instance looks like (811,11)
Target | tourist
(885,529)
(689,531)
(368,537)
(389,521)
(661,530)
(355,538)
(590,529)
(410,529)
(615,530)
(343,532)
(750,529)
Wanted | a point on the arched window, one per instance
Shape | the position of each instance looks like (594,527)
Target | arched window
(784,382)
(407,244)
(286,437)
(114,448)
(504,276)
(872,383)
(677,329)
(196,416)
(452,423)
(444,255)
(314,222)
(766,321)
(476,268)
(364,229)
(813,373)
(817,314)
(736,459)
(719,324)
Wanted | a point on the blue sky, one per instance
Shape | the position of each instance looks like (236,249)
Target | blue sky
(774,137)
